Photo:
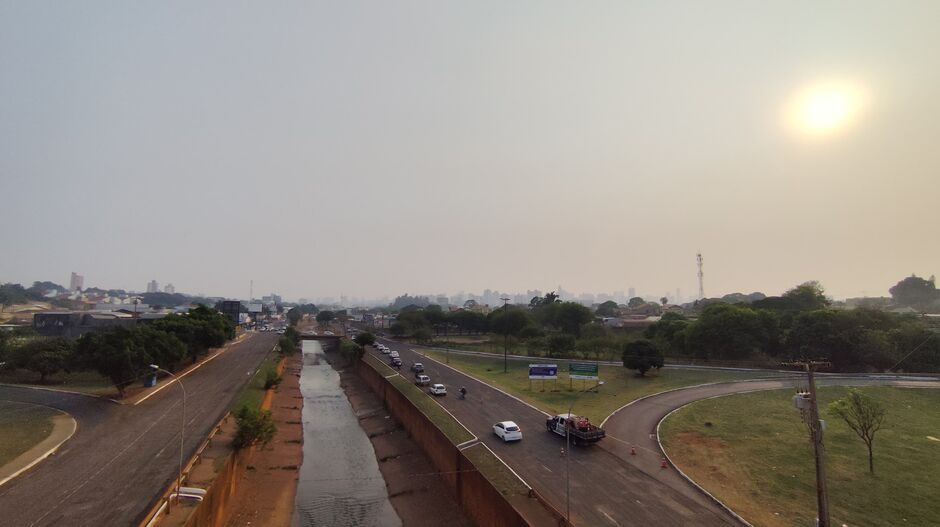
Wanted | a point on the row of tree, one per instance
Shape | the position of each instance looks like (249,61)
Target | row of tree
(121,354)
(799,324)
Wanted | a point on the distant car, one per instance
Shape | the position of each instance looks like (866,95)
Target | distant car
(396,361)
(507,431)
(417,367)
(385,350)
(328,333)
(422,380)
(394,354)
(438,389)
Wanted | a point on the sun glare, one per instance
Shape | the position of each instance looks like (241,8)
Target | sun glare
(825,108)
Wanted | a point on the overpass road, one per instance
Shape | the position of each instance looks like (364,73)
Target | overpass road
(122,456)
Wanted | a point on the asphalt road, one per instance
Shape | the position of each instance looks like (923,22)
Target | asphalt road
(636,423)
(122,457)
(604,489)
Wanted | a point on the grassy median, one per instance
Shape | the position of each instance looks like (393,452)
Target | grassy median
(752,451)
(620,384)
(22,426)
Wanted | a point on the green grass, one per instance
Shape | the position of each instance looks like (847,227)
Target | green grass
(80,381)
(22,426)
(621,385)
(443,420)
(507,483)
(756,457)
(253,393)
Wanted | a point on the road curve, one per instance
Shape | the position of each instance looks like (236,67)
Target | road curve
(122,456)
(605,491)
(635,425)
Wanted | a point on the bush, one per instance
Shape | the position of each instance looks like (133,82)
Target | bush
(641,355)
(271,379)
(254,427)
(287,346)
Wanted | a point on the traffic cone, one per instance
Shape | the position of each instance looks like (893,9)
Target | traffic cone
(664,464)
(633,451)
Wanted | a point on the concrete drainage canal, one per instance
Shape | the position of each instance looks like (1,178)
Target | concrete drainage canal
(340,483)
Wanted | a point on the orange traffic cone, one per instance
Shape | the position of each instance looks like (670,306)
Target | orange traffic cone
(664,464)
(633,451)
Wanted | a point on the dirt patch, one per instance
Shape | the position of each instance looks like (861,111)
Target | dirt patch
(697,439)
(416,491)
(265,495)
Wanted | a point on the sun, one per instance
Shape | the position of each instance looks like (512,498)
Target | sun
(825,108)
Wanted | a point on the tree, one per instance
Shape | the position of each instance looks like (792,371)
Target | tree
(294,315)
(726,331)
(641,355)
(560,345)
(864,416)
(669,333)
(324,317)
(635,302)
(365,339)
(287,345)
(422,335)
(45,356)
(606,309)
(11,294)
(664,300)
(114,355)
(915,291)
(808,296)
(163,348)
(508,323)
(398,329)
(253,427)
(571,316)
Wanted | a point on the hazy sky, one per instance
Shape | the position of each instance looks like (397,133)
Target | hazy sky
(373,148)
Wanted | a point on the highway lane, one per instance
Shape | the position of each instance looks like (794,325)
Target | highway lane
(122,457)
(604,489)
(636,423)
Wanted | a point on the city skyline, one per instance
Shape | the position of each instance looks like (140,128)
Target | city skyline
(374,149)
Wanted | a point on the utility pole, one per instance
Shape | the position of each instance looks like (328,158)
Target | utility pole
(506,340)
(807,404)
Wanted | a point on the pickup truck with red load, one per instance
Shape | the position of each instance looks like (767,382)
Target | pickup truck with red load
(580,429)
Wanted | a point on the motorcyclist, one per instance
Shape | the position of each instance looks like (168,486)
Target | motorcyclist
(463,392)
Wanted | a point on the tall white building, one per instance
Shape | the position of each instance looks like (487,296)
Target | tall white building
(76,282)
(153,287)
(169,289)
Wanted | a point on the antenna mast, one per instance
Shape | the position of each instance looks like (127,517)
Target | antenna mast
(701,277)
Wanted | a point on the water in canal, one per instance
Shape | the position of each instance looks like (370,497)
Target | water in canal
(340,483)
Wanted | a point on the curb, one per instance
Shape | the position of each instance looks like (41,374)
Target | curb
(70,392)
(48,452)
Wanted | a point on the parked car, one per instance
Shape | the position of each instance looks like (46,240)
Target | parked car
(438,389)
(417,367)
(507,431)
(422,380)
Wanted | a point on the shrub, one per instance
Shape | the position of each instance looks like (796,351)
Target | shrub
(271,379)
(254,427)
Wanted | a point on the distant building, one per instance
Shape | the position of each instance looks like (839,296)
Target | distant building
(631,293)
(153,287)
(72,324)
(169,289)
(232,309)
(272,299)
(76,282)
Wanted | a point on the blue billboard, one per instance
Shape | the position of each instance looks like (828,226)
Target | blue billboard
(543,371)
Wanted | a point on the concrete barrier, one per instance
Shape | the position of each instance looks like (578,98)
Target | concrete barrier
(476,495)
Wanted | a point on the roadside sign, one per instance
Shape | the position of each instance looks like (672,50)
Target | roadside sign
(582,370)
(543,372)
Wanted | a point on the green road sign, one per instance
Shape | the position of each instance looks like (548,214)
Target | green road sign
(582,370)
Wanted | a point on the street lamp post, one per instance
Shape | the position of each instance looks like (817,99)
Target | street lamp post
(179,479)
(568,453)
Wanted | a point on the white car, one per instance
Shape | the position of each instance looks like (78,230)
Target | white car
(393,354)
(437,389)
(385,350)
(507,431)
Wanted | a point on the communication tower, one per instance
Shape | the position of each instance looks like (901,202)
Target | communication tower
(701,277)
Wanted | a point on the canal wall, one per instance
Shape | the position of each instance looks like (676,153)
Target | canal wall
(479,498)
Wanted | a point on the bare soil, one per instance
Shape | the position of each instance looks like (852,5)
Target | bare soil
(266,489)
(416,491)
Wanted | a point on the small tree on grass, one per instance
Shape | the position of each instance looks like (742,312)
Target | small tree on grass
(641,355)
(254,427)
(271,379)
(864,416)
(45,356)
